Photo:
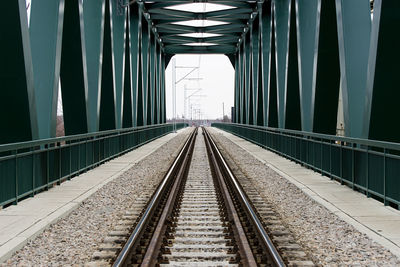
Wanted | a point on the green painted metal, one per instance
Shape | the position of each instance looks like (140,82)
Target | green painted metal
(73,75)
(367,166)
(307,17)
(30,167)
(266,34)
(273,86)
(118,17)
(45,37)
(152,80)
(145,68)
(255,40)
(127,115)
(293,113)
(94,31)
(282,17)
(327,82)
(382,107)
(247,77)
(108,116)
(17,101)
(354,31)
(134,31)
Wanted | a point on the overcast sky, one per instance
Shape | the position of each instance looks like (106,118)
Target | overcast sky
(217,84)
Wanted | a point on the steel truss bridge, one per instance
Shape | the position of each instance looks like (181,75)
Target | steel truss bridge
(291,57)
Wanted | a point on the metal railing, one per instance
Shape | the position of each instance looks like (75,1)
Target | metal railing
(30,167)
(369,166)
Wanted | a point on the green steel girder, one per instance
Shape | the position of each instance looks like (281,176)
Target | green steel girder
(17,100)
(185,49)
(118,52)
(152,84)
(273,86)
(354,32)
(145,67)
(292,102)
(281,11)
(163,4)
(307,17)
(127,115)
(134,30)
(94,31)
(45,37)
(382,108)
(254,39)
(108,95)
(73,75)
(247,76)
(327,83)
(259,79)
(231,40)
(266,35)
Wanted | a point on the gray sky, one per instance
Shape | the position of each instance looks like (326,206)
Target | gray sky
(217,84)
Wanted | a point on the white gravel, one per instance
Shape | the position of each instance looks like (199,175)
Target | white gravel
(330,240)
(72,240)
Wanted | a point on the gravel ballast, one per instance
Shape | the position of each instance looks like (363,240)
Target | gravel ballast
(73,239)
(327,238)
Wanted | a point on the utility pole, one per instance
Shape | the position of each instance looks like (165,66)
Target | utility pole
(174,93)
(223,111)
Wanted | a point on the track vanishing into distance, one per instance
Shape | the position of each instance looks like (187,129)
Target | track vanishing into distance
(199,215)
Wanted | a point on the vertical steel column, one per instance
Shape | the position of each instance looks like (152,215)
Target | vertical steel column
(354,31)
(134,30)
(118,30)
(242,87)
(292,113)
(327,82)
(127,116)
(307,21)
(163,98)
(266,33)
(93,14)
(255,49)
(273,94)
(17,100)
(107,99)
(145,65)
(46,38)
(354,26)
(157,109)
(237,88)
(247,76)
(382,108)
(281,19)
(152,75)
(74,84)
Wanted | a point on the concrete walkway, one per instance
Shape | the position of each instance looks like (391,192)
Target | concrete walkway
(381,223)
(23,222)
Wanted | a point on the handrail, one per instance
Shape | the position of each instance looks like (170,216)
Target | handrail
(367,142)
(29,144)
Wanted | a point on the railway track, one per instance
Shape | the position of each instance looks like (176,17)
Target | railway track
(198,216)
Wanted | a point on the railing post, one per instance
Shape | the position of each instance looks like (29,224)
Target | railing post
(16,176)
(384,178)
(367,173)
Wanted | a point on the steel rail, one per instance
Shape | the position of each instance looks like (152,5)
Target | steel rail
(275,256)
(238,231)
(141,225)
(150,257)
